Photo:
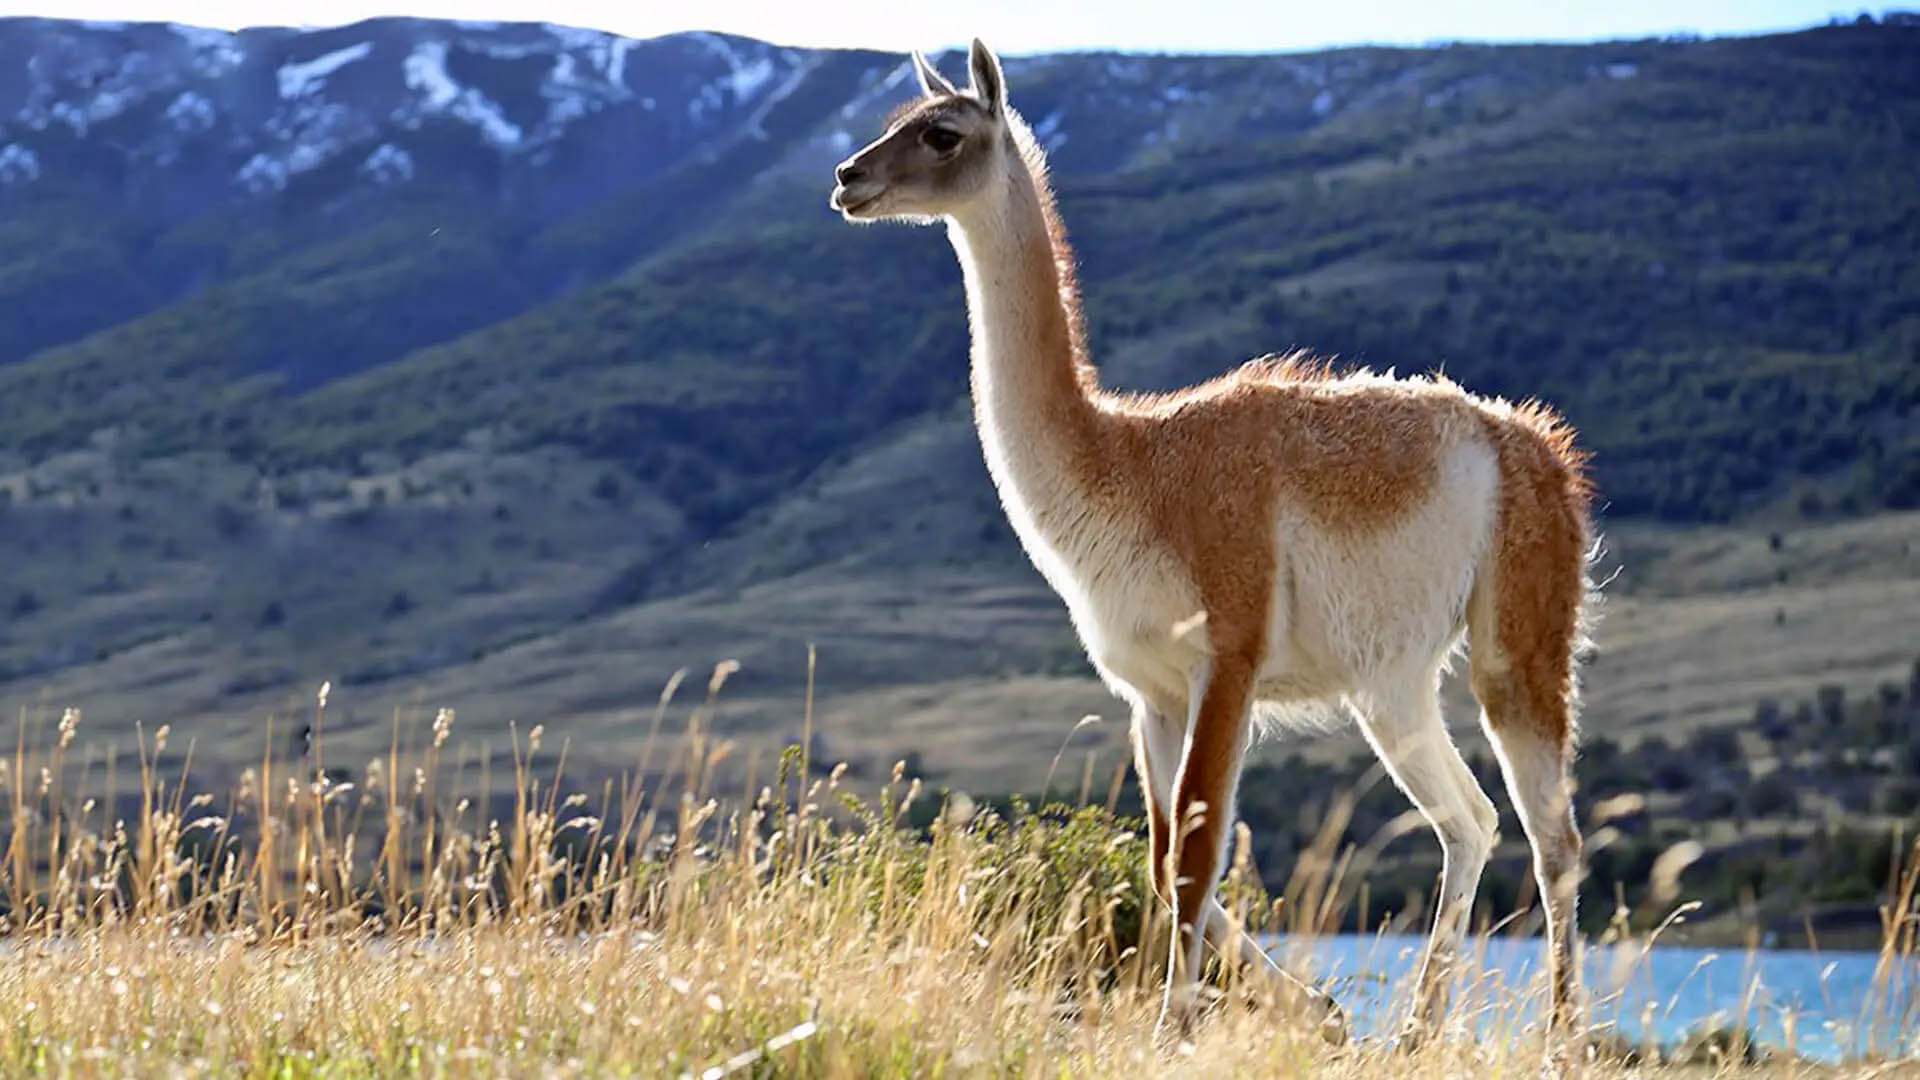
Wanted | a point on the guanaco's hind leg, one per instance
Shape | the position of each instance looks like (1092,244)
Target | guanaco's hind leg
(1537,769)
(1402,721)
(1528,726)
(1157,744)
(1523,626)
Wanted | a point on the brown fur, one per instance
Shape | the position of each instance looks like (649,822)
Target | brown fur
(1202,790)
(1540,580)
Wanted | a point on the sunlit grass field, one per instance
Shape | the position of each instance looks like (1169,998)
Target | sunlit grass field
(407,917)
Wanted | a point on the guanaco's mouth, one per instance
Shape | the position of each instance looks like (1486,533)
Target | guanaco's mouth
(849,204)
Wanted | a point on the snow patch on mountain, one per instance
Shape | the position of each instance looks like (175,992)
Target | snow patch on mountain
(262,174)
(426,71)
(1048,132)
(573,89)
(66,113)
(306,138)
(748,78)
(617,52)
(606,53)
(1129,71)
(575,37)
(755,123)
(191,113)
(874,88)
(427,75)
(106,84)
(477,109)
(388,164)
(501,51)
(214,52)
(322,134)
(127,84)
(563,103)
(307,77)
(18,165)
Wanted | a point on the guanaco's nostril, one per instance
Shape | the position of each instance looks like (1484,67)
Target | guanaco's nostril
(848,173)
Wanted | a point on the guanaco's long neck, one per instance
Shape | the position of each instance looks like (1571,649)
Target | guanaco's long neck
(1031,380)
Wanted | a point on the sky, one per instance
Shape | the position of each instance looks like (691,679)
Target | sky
(1024,26)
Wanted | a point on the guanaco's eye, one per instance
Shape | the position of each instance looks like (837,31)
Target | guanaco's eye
(941,140)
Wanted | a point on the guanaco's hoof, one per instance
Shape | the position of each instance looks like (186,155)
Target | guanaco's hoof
(1332,1025)
(1317,1009)
(1416,1034)
(1180,1017)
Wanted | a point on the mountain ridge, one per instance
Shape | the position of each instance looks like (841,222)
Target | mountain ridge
(381,352)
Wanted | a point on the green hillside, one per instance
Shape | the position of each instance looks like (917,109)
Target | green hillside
(1707,263)
(473,440)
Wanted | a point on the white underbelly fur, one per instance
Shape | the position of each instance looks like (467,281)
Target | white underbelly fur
(1350,611)
(1348,608)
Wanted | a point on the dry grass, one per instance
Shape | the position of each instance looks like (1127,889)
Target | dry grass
(406,920)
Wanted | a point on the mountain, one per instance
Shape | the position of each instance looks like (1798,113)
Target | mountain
(434,356)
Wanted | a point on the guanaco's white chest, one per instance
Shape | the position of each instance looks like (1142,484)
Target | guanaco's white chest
(1132,605)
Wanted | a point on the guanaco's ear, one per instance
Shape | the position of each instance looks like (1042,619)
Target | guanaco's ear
(932,83)
(988,84)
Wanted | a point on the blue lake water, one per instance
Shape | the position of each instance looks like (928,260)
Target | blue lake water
(1821,1005)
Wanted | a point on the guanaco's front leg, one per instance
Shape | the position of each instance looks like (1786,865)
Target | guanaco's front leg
(1201,820)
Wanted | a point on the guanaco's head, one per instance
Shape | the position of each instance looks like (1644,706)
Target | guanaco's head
(939,153)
